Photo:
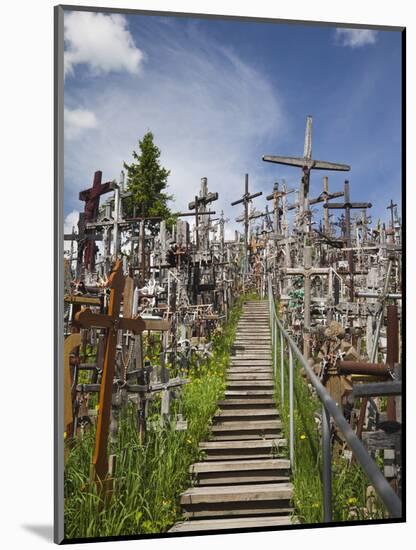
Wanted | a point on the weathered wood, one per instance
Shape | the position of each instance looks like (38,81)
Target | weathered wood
(223,524)
(377,389)
(71,342)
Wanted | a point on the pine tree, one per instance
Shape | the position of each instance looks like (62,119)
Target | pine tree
(147,180)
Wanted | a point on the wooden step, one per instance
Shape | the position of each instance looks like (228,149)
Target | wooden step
(280,464)
(250,376)
(249,370)
(247,435)
(238,493)
(241,472)
(246,425)
(261,413)
(229,523)
(246,403)
(232,384)
(237,450)
(238,394)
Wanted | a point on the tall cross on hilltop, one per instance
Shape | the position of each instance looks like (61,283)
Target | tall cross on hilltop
(307,163)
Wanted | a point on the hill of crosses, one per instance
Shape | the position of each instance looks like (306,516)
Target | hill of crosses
(215,383)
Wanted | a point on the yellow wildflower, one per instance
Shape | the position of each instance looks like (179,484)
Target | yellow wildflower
(303,436)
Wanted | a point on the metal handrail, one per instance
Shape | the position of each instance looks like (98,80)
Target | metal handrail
(329,409)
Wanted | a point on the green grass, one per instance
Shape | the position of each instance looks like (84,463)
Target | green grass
(150,477)
(349,482)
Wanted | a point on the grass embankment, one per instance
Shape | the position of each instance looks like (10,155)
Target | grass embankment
(349,482)
(149,477)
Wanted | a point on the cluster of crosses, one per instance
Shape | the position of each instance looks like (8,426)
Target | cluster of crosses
(335,273)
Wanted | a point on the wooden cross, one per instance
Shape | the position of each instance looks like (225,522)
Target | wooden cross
(278,211)
(307,164)
(307,271)
(347,205)
(391,207)
(112,323)
(82,238)
(246,198)
(199,205)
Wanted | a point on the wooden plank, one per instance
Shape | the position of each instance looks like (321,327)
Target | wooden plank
(238,465)
(250,376)
(239,493)
(233,523)
(247,412)
(250,383)
(79,299)
(71,342)
(223,445)
(243,393)
(230,425)
(248,402)
(268,509)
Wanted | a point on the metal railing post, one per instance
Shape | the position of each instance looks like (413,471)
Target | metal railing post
(326,465)
(275,345)
(291,417)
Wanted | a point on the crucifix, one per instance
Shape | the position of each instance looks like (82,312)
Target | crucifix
(306,163)
(91,197)
(246,198)
(391,207)
(347,205)
(279,211)
(200,206)
(307,271)
(111,322)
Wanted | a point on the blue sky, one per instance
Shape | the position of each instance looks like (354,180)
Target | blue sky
(219,94)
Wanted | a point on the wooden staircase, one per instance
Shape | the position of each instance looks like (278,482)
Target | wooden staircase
(243,482)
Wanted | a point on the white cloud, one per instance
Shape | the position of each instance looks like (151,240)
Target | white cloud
(355,38)
(208,111)
(102,42)
(78,120)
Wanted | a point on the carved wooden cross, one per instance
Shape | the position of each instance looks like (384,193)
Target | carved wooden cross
(307,271)
(307,164)
(347,205)
(112,322)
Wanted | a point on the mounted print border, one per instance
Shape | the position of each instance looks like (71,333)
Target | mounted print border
(229,306)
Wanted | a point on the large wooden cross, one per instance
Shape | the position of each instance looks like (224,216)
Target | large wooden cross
(246,198)
(306,163)
(112,322)
(200,206)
